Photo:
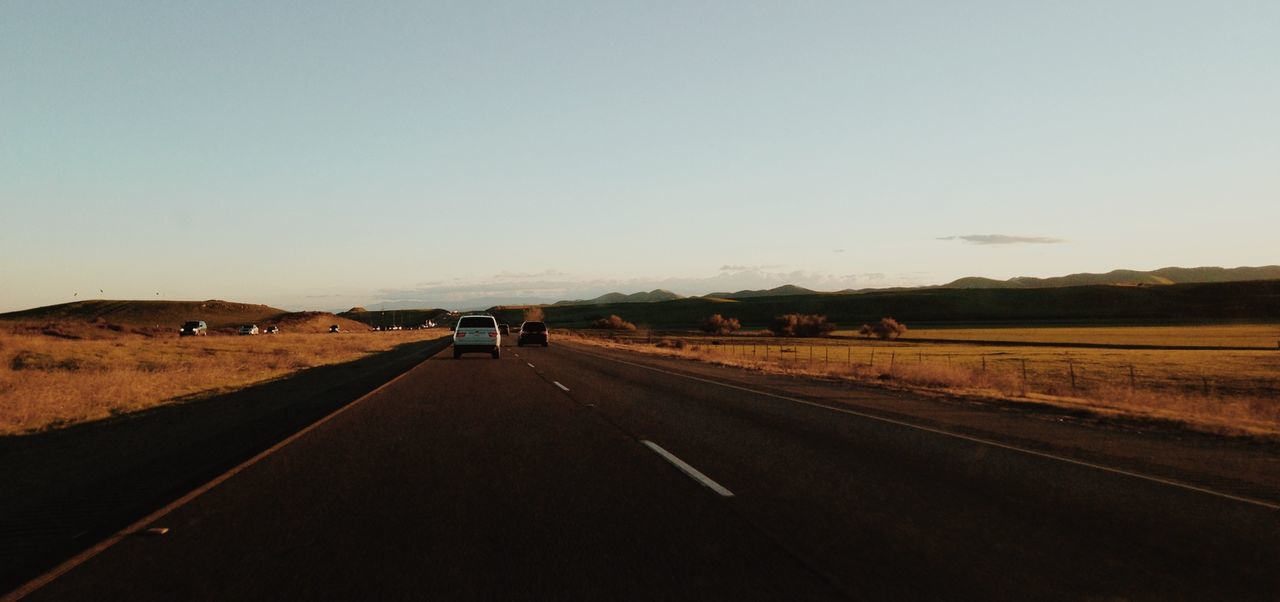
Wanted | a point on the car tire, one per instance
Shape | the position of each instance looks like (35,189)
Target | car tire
(496,354)
(457,355)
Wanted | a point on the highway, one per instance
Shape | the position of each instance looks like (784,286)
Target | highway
(570,473)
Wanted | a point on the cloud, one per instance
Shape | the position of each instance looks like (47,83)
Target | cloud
(1003,239)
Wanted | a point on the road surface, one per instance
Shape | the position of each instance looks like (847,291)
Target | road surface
(564,473)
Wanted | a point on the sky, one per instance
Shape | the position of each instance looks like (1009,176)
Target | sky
(319,155)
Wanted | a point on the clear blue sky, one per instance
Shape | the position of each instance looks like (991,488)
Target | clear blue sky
(321,155)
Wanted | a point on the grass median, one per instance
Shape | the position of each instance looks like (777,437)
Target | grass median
(56,377)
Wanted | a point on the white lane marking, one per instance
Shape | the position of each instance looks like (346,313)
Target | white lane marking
(530,365)
(689,470)
(141,525)
(557,383)
(1032,452)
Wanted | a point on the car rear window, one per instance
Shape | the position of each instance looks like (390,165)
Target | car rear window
(475,322)
(191,325)
(534,327)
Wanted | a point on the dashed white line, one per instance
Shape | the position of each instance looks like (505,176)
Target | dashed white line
(557,383)
(689,470)
(530,365)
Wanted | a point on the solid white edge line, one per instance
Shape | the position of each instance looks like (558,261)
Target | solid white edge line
(688,470)
(557,383)
(1104,468)
(49,576)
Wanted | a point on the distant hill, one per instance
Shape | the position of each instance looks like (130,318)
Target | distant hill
(1162,276)
(652,296)
(785,290)
(219,315)
(1195,303)
(216,313)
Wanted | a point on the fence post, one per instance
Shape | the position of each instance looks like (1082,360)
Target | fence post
(872,362)
(984,363)
(1071,367)
(892,355)
(1132,382)
(826,356)
(1024,376)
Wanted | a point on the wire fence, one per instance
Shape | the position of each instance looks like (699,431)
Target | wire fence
(1073,372)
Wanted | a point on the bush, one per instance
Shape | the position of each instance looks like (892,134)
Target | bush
(886,328)
(614,323)
(717,324)
(533,314)
(801,325)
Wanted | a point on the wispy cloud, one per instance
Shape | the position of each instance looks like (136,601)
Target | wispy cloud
(1003,239)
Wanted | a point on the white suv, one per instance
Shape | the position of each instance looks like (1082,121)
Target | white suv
(477,333)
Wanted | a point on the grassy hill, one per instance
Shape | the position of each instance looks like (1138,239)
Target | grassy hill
(1256,301)
(219,315)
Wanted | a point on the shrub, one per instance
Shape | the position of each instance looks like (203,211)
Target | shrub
(801,325)
(533,314)
(614,323)
(717,324)
(886,328)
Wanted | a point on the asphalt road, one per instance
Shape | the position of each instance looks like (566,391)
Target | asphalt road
(560,473)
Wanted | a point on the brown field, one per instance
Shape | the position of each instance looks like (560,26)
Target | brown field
(1219,390)
(57,376)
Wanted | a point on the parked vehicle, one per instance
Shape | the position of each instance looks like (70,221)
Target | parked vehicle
(194,328)
(476,334)
(272,329)
(533,333)
(249,329)
(335,328)
(504,328)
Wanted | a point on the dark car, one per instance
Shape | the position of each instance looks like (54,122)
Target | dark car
(533,333)
(504,328)
(194,328)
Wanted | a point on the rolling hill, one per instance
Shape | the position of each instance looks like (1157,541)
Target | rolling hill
(220,315)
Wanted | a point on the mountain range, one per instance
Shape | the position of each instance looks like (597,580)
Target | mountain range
(1162,276)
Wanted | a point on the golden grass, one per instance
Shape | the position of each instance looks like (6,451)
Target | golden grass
(48,382)
(1236,391)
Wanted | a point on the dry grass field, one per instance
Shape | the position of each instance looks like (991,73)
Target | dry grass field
(1265,336)
(51,377)
(1219,390)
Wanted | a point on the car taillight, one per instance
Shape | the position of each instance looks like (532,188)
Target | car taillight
(493,334)
(462,334)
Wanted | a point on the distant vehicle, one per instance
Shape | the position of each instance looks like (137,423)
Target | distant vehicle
(194,328)
(532,333)
(249,329)
(504,328)
(334,328)
(477,334)
(272,329)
